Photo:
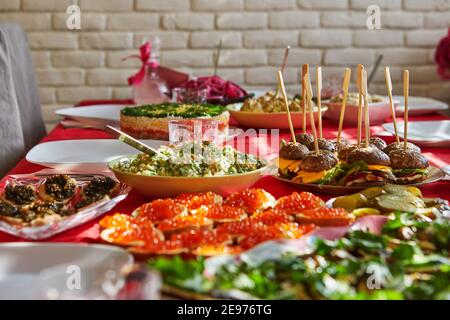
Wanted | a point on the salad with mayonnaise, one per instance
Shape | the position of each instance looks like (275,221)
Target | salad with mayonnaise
(191,160)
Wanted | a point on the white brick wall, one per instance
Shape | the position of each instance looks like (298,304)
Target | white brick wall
(87,63)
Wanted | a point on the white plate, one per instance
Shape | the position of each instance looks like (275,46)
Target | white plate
(424,133)
(35,270)
(378,112)
(95,114)
(89,154)
(420,105)
(268,120)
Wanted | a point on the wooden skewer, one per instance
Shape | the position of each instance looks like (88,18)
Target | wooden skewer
(319,101)
(345,86)
(366,107)
(286,103)
(285,57)
(387,76)
(283,65)
(309,95)
(217,57)
(405,94)
(305,71)
(360,102)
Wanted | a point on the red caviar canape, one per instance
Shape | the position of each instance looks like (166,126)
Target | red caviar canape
(160,209)
(272,216)
(296,202)
(222,213)
(251,200)
(326,217)
(197,199)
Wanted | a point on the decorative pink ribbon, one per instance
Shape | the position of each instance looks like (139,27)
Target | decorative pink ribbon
(144,56)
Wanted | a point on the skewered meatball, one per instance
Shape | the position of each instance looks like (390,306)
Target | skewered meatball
(292,151)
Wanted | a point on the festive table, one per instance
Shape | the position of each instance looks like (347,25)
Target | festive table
(89,232)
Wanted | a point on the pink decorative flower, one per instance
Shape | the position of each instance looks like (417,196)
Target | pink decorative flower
(442,57)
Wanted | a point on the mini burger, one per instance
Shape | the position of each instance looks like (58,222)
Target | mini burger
(315,166)
(368,166)
(409,166)
(290,156)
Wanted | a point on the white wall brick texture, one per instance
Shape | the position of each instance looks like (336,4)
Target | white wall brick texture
(87,63)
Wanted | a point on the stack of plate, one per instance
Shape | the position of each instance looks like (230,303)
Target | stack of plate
(424,133)
(419,105)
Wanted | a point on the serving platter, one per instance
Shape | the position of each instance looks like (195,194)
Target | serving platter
(89,154)
(419,105)
(42,228)
(39,270)
(94,115)
(435,174)
(267,120)
(424,133)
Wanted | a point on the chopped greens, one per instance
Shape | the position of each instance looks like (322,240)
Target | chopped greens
(360,265)
(165,110)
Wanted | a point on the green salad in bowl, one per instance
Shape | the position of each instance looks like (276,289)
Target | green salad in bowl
(189,167)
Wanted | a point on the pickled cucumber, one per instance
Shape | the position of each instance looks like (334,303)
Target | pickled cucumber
(372,192)
(406,203)
(365,212)
(350,202)
(402,190)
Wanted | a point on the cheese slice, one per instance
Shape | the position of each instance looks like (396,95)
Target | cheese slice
(307,177)
(294,166)
(284,163)
(377,167)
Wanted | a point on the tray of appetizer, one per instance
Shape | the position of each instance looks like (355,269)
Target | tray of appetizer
(189,167)
(206,224)
(349,168)
(152,121)
(335,166)
(268,111)
(403,256)
(379,108)
(38,207)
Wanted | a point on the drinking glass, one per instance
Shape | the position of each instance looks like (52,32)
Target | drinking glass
(196,130)
(189,95)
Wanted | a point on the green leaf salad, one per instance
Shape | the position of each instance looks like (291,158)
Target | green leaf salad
(408,260)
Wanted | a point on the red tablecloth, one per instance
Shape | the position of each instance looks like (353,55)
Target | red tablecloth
(89,232)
